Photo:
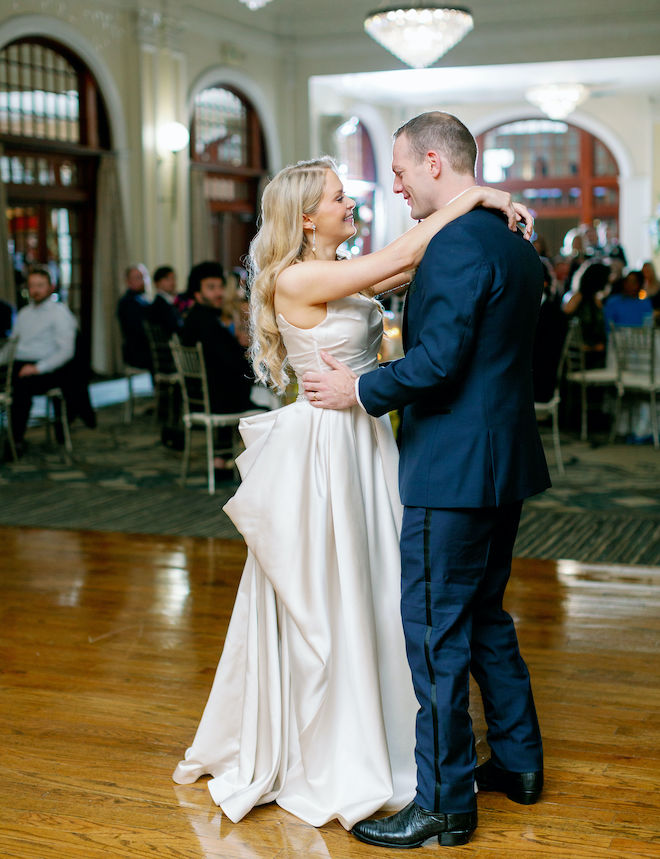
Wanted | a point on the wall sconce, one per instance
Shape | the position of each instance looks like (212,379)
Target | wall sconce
(172,137)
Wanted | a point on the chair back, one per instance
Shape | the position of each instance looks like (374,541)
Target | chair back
(161,354)
(573,353)
(190,367)
(635,349)
(8,351)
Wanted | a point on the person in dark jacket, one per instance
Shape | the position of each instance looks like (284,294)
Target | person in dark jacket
(131,312)
(163,311)
(227,368)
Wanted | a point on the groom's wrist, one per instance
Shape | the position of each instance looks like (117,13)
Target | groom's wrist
(357,394)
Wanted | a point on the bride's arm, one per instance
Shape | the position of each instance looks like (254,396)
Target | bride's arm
(315,282)
(397,283)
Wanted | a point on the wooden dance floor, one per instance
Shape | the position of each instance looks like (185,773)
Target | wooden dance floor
(109,644)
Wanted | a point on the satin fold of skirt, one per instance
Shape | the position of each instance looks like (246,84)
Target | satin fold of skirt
(312,705)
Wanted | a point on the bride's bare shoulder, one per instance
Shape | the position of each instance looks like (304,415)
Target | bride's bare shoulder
(293,278)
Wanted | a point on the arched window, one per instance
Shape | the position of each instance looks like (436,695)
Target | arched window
(227,145)
(565,174)
(52,127)
(354,153)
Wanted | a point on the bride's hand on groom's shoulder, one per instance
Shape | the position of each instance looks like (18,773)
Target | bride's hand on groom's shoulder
(494,198)
(334,389)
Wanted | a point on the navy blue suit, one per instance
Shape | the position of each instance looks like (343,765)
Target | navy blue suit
(470,453)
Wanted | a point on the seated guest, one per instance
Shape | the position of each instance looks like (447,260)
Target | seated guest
(652,287)
(163,310)
(228,370)
(549,338)
(46,332)
(627,308)
(183,301)
(6,318)
(585,303)
(131,311)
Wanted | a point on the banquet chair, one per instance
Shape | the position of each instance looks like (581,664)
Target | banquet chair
(577,372)
(636,347)
(129,406)
(165,376)
(55,402)
(191,370)
(550,408)
(6,370)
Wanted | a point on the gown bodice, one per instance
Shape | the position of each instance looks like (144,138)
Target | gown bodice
(351,332)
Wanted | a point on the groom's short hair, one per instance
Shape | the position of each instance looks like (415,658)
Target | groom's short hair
(438,131)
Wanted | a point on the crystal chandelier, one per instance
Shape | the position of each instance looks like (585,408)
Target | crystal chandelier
(557,100)
(419,35)
(255,4)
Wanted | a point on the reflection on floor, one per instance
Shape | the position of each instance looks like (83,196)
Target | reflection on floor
(109,645)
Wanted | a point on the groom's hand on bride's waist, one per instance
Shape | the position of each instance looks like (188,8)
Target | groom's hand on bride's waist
(334,389)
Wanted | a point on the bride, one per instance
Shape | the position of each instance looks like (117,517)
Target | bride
(312,705)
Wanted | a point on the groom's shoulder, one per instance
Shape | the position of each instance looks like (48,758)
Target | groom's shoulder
(476,220)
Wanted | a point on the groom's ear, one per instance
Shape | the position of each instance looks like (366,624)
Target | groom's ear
(434,163)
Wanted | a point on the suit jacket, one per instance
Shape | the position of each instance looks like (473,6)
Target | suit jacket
(162,313)
(131,311)
(469,435)
(228,370)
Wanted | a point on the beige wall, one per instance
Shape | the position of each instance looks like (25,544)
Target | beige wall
(151,59)
(629,125)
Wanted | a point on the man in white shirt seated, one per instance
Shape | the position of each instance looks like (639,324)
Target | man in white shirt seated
(46,331)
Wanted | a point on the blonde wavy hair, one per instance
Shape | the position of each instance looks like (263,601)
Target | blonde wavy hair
(280,242)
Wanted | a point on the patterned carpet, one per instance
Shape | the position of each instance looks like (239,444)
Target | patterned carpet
(121,478)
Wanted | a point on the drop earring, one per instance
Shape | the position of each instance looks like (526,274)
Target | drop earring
(314,239)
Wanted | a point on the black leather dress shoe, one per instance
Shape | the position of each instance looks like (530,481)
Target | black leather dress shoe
(413,825)
(524,788)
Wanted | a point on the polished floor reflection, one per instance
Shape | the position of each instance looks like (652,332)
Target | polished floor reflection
(108,646)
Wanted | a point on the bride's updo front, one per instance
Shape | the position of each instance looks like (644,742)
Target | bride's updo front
(280,242)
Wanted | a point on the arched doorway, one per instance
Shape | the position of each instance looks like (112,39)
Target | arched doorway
(565,174)
(53,128)
(227,148)
(354,153)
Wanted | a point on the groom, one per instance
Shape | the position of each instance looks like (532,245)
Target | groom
(470,453)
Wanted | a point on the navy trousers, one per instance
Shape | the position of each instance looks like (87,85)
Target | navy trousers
(455,567)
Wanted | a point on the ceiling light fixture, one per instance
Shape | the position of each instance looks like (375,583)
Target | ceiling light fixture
(255,4)
(557,100)
(419,35)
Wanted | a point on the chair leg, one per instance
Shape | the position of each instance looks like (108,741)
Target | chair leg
(186,453)
(158,393)
(64,419)
(49,404)
(583,430)
(128,406)
(10,433)
(555,437)
(59,415)
(617,416)
(209,458)
(175,403)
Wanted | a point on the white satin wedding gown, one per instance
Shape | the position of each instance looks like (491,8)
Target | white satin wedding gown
(312,705)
